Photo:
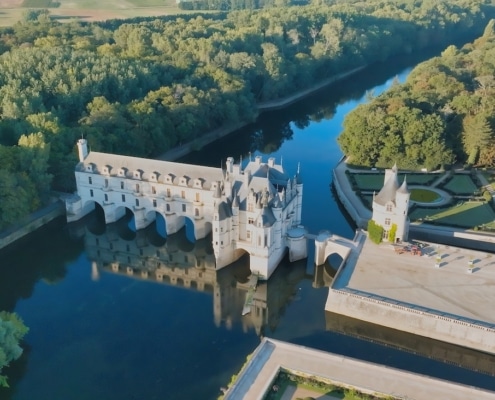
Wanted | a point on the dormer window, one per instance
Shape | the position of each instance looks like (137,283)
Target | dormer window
(137,174)
(169,178)
(122,172)
(183,181)
(198,183)
(106,170)
(389,207)
(90,167)
(154,176)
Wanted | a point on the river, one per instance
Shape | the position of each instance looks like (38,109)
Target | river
(98,333)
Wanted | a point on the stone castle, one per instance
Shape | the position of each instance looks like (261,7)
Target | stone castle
(255,209)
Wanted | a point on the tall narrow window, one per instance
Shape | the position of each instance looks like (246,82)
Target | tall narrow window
(154,202)
(106,197)
(137,187)
(153,190)
(183,194)
(91,192)
(196,212)
(198,198)
(168,192)
(167,207)
(123,198)
(90,180)
(183,208)
(122,185)
(137,202)
(106,183)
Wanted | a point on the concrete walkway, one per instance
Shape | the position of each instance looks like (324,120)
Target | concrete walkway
(258,375)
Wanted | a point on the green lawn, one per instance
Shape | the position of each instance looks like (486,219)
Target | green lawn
(368,181)
(374,181)
(424,195)
(461,185)
(489,176)
(467,214)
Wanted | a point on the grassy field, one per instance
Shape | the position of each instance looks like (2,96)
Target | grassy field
(91,10)
(467,214)
(461,185)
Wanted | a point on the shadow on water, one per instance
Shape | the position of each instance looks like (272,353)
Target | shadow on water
(43,255)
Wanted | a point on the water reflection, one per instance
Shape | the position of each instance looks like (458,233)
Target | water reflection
(418,345)
(178,262)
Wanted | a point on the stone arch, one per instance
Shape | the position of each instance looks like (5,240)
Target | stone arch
(332,264)
(327,244)
(159,222)
(96,222)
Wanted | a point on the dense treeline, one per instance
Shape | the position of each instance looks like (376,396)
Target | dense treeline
(443,114)
(142,86)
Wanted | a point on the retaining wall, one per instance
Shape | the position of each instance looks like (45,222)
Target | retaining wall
(33,222)
(416,321)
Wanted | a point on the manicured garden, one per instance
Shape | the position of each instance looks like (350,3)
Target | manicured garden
(461,185)
(466,210)
(468,214)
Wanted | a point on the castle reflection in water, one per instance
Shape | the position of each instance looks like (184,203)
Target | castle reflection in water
(177,261)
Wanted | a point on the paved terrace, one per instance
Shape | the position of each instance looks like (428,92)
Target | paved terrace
(413,279)
(271,355)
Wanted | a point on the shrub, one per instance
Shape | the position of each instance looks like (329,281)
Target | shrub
(487,196)
(392,233)
(375,231)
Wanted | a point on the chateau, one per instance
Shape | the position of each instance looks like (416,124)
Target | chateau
(254,210)
(390,206)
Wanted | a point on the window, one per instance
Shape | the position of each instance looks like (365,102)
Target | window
(106,182)
(137,187)
(198,198)
(250,207)
(137,202)
(196,212)
(153,190)
(168,193)
(266,241)
(90,180)
(168,207)
(389,207)
(154,202)
(248,235)
(183,194)
(122,185)
(183,208)
(123,198)
(106,197)
(91,192)
(387,221)
(385,234)
(250,221)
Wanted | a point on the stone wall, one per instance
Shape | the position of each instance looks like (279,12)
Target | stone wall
(33,222)
(417,321)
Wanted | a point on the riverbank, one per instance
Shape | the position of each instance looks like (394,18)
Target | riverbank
(47,214)
(198,143)
(31,223)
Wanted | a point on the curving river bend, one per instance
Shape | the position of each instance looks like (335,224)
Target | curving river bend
(98,334)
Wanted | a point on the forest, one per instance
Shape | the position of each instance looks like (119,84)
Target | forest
(142,86)
(442,115)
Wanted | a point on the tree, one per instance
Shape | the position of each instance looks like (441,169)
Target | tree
(477,134)
(12,330)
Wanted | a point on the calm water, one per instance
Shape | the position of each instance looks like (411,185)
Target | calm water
(98,333)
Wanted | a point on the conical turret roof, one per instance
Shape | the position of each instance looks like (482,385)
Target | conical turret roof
(389,189)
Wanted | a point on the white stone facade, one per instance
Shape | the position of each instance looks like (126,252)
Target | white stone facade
(391,205)
(253,210)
